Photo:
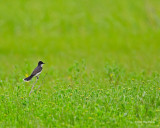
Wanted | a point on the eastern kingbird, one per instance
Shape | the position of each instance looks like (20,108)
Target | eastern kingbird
(36,71)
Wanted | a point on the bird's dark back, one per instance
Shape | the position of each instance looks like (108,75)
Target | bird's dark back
(37,70)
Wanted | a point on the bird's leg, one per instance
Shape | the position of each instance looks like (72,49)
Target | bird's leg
(37,77)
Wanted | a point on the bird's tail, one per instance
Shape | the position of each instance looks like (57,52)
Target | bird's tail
(28,78)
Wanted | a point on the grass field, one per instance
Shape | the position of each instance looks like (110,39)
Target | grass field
(102,63)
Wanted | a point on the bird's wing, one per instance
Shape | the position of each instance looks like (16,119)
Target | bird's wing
(36,70)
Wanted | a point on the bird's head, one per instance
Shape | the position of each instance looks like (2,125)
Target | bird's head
(40,63)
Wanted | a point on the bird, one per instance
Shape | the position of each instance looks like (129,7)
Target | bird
(35,72)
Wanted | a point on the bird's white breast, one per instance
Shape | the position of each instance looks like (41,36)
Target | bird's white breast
(38,73)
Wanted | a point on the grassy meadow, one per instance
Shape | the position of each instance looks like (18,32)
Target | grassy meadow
(102,63)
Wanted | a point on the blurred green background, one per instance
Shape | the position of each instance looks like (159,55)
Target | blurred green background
(100,55)
(99,31)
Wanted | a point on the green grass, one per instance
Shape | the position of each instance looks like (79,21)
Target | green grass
(102,63)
